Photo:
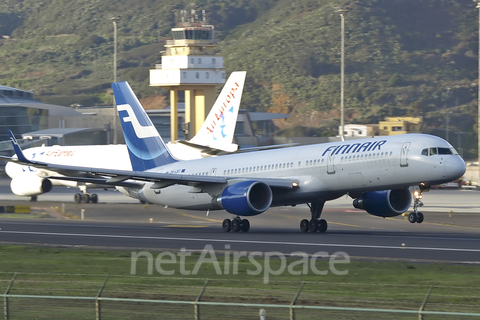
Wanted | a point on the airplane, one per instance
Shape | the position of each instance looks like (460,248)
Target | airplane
(376,172)
(215,137)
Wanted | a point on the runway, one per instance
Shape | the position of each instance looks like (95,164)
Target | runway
(449,234)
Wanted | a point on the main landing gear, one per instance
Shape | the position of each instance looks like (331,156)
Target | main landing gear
(416,216)
(314,224)
(236,225)
(86,197)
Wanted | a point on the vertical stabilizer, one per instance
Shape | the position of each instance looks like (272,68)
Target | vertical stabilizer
(145,146)
(218,129)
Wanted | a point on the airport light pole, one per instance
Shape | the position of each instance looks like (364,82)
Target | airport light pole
(478,98)
(342,11)
(459,142)
(114,20)
(448,113)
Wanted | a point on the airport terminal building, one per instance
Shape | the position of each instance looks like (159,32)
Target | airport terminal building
(30,118)
(21,113)
(56,125)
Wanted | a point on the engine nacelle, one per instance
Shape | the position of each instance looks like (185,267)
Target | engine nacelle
(389,203)
(245,198)
(30,186)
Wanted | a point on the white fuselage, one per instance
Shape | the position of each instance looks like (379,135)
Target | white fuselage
(111,157)
(99,156)
(324,171)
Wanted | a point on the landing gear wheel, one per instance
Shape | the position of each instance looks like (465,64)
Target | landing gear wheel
(416,216)
(313,225)
(412,217)
(245,225)
(322,225)
(94,198)
(86,198)
(78,197)
(33,198)
(226,225)
(419,217)
(304,225)
(236,225)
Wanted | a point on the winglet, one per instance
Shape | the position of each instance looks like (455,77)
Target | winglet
(17,148)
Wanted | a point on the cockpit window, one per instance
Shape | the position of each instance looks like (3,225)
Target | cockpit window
(444,151)
(425,152)
(433,151)
(453,150)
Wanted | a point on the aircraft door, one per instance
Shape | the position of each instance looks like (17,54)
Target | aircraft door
(404,154)
(213,172)
(330,164)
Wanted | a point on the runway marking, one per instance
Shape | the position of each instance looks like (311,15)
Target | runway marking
(196,217)
(433,223)
(329,222)
(183,226)
(243,241)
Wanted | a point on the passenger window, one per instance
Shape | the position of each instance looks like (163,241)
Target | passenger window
(433,151)
(299,163)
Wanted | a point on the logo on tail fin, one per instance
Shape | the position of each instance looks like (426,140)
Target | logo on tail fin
(142,132)
(145,146)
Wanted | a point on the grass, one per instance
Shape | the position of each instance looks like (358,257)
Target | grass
(81,272)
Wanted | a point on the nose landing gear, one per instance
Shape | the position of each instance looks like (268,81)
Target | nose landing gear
(416,216)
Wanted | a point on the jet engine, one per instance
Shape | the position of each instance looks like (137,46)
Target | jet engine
(245,198)
(31,186)
(389,203)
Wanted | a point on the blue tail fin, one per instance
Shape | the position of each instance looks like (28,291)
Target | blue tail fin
(145,146)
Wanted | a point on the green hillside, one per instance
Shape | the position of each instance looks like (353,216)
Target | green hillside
(403,57)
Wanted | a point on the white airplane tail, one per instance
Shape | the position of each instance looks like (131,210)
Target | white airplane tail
(218,129)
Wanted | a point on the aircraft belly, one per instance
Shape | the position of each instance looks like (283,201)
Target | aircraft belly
(177,196)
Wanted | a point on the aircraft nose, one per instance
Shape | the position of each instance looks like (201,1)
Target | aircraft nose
(455,167)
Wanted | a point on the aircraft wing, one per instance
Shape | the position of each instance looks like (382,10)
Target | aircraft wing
(209,150)
(119,177)
(5,158)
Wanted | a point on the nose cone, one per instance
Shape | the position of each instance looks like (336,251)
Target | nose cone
(455,168)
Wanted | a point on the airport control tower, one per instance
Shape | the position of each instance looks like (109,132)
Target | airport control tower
(189,63)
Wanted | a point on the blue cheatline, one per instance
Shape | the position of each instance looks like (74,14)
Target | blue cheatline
(145,146)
